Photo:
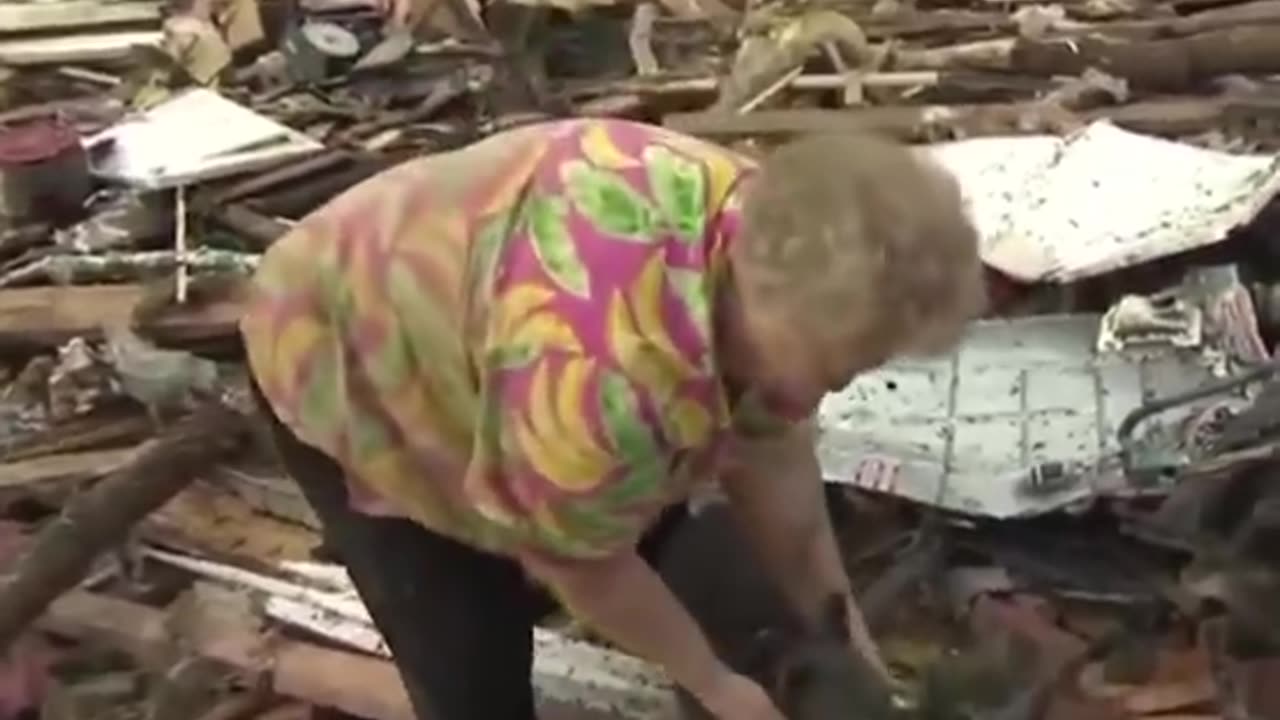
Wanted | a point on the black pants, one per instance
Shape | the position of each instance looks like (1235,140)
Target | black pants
(458,621)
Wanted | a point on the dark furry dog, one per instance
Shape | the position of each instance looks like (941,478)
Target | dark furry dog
(810,672)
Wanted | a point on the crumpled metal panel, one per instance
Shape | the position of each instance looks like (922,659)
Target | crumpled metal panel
(1020,420)
(1061,209)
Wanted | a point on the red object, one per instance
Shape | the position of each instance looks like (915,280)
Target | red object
(45,171)
(24,669)
(38,141)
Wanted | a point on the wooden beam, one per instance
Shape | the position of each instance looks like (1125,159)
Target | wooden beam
(294,669)
(906,122)
(101,517)
(63,466)
(95,47)
(1167,116)
(31,17)
(371,686)
(49,316)
(138,630)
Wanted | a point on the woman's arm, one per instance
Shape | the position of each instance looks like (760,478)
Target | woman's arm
(625,599)
(775,488)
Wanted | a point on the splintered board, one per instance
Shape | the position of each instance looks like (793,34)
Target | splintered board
(89,47)
(24,17)
(49,316)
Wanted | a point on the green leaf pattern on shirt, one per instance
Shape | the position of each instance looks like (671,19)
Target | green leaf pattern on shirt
(679,187)
(608,202)
(554,246)
(620,411)
(691,288)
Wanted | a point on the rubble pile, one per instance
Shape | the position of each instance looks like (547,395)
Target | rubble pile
(1073,515)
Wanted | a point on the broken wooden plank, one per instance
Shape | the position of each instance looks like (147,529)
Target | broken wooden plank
(977,55)
(761,63)
(99,518)
(292,668)
(1164,116)
(109,429)
(910,123)
(1259,12)
(260,230)
(95,47)
(371,689)
(1175,64)
(320,599)
(635,94)
(31,17)
(909,22)
(139,631)
(1170,116)
(49,316)
(657,85)
(66,466)
(213,522)
(268,491)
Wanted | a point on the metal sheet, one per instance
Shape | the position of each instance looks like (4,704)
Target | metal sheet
(196,135)
(969,432)
(1061,209)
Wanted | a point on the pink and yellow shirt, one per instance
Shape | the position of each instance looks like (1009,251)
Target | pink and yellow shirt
(512,344)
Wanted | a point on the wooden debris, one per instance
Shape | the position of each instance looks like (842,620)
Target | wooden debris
(86,269)
(100,517)
(33,17)
(1172,116)
(371,687)
(908,123)
(641,39)
(762,63)
(101,429)
(1160,65)
(49,316)
(169,266)
(976,55)
(75,48)
(75,466)
(207,520)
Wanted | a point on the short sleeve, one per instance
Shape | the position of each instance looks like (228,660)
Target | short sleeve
(583,464)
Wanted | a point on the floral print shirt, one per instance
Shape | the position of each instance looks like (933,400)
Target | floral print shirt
(511,343)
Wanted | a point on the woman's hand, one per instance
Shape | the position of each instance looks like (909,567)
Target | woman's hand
(626,600)
(860,642)
(737,697)
(776,490)
(623,598)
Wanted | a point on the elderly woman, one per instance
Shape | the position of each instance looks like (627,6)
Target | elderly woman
(491,371)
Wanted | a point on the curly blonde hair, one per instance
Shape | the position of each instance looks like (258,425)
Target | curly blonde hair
(861,241)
